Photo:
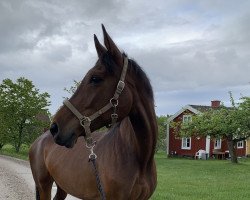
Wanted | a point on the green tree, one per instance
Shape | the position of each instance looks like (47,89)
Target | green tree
(231,124)
(73,88)
(162,128)
(20,105)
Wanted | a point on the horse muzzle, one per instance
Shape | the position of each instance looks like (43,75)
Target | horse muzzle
(61,140)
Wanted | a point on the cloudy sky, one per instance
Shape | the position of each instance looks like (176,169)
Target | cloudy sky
(193,51)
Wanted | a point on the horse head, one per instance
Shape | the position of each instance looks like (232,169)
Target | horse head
(97,96)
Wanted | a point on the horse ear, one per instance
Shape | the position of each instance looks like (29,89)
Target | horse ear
(111,46)
(99,48)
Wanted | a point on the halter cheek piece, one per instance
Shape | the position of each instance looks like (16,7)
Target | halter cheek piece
(85,121)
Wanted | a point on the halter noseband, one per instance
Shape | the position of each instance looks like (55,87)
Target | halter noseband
(113,102)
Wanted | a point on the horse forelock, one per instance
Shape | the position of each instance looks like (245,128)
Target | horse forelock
(107,60)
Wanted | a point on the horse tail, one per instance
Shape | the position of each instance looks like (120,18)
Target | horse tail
(37,194)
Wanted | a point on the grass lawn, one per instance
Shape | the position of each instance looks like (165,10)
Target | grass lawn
(9,150)
(184,179)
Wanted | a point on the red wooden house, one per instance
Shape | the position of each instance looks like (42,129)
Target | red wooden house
(177,146)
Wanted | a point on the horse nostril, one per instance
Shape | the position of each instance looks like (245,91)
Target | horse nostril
(53,129)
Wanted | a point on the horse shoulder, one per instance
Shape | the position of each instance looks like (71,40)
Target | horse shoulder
(38,146)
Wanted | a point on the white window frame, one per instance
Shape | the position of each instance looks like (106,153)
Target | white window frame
(217,143)
(240,144)
(184,143)
(186,118)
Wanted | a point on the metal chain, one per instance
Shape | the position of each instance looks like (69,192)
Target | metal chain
(114,115)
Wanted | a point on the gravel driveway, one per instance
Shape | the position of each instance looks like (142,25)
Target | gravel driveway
(16,181)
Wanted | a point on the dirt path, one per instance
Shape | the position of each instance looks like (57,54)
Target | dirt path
(16,182)
(16,179)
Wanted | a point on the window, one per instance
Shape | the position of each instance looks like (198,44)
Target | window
(186,143)
(187,118)
(217,144)
(240,144)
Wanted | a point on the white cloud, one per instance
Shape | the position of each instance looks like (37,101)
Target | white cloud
(193,51)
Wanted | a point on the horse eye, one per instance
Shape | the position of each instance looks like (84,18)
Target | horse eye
(95,80)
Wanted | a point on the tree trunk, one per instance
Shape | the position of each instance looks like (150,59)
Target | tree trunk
(1,146)
(232,150)
(18,143)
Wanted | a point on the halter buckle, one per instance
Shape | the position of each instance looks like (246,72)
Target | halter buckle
(120,87)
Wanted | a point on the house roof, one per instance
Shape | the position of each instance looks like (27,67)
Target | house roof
(196,109)
(187,107)
(201,108)
(43,117)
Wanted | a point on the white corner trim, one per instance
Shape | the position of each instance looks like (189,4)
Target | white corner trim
(208,140)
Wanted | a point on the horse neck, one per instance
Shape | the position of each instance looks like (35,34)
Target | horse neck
(143,120)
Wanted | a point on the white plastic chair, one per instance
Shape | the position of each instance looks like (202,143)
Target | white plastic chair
(201,154)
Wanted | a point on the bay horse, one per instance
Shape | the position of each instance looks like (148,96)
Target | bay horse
(125,154)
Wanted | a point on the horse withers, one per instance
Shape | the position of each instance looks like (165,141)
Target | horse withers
(125,154)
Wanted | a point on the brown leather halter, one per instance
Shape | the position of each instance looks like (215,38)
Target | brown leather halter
(113,103)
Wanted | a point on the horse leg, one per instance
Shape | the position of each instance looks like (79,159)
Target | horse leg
(37,194)
(60,194)
(44,189)
(43,185)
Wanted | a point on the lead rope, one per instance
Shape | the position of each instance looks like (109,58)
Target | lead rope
(92,159)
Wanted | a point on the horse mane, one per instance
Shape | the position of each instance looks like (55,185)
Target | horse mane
(144,119)
(134,68)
